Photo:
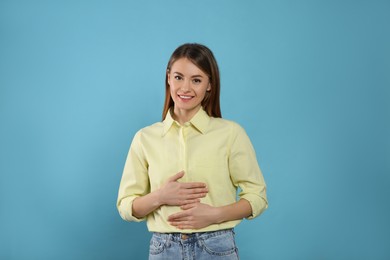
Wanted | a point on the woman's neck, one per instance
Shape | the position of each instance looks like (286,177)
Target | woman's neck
(183,116)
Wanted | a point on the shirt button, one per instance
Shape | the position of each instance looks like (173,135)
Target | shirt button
(184,236)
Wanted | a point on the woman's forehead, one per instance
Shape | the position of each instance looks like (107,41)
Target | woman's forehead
(186,66)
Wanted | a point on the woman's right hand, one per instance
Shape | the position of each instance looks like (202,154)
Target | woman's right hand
(175,193)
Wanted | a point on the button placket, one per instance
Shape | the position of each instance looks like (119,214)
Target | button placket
(183,149)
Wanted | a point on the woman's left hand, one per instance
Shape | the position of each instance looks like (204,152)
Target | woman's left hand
(194,216)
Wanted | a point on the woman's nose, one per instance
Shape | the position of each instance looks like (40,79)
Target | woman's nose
(186,86)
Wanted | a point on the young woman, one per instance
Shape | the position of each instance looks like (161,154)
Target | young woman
(182,174)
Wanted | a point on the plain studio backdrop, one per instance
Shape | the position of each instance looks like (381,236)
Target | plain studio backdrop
(308,80)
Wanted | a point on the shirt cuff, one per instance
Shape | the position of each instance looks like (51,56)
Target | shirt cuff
(125,208)
(258,204)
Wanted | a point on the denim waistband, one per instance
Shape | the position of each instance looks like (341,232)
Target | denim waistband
(191,236)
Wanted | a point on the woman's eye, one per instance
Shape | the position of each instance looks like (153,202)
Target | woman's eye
(178,77)
(197,81)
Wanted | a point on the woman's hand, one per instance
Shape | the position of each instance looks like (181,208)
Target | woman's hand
(175,193)
(199,215)
(195,216)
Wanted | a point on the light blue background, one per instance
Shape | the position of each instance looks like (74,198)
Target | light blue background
(308,80)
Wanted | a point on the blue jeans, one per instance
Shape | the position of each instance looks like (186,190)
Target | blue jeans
(200,246)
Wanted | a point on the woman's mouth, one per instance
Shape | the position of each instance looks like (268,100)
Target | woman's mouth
(185,97)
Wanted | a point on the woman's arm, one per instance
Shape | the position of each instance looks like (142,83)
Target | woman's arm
(172,193)
(199,215)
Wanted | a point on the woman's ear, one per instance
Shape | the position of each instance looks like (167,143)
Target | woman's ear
(168,78)
(209,87)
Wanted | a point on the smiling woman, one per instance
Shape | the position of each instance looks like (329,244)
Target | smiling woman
(182,174)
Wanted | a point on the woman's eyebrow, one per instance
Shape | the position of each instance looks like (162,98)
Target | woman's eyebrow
(193,76)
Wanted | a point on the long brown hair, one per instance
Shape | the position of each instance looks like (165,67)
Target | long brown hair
(204,59)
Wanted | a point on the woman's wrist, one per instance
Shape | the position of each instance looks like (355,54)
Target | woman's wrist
(157,202)
(218,215)
(144,205)
(235,211)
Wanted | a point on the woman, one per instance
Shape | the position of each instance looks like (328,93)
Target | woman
(182,174)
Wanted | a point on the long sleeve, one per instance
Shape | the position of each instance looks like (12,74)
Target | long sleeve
(245,171)
(135,180)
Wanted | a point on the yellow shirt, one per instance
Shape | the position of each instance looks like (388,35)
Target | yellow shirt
(211,150)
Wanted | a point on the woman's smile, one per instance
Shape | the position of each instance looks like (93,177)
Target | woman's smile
(185,98)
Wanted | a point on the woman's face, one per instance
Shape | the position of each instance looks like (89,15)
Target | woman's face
(188,85)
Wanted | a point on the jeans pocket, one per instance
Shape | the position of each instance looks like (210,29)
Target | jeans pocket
(157,245)
(219,245)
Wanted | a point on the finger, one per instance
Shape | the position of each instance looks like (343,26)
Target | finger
(199,193)
(188,206)
(192,198)
(176,176)
(193,185)
(175,224)
(187,226)
(182,225)
(177,216)
(192,201)
(179,220)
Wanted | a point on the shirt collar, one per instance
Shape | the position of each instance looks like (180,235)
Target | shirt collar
(200,121)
